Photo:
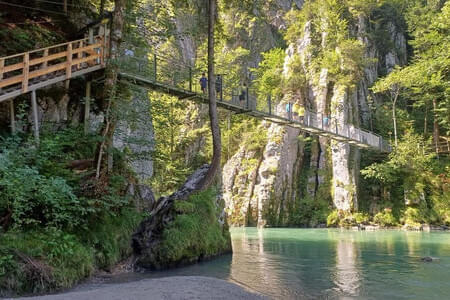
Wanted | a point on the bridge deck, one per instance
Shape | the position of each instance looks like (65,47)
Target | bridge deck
(311,122)
(39,68)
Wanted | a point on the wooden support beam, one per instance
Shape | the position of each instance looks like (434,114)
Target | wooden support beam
(12,116)
(65,6)
(87,107)
(35,116)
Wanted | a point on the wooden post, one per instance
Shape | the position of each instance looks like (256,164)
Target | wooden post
(45,63)
(69,61)
(65,6)
(87,107)
(91,36)
(35,116)
(25,72)
(12,116)
(80,55)
(2,65)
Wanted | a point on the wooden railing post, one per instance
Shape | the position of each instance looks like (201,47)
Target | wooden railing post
(69,61)
(2,65)
(80,55)
(45,63)
(25,72)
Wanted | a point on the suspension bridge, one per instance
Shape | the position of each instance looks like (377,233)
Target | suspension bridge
(27,72)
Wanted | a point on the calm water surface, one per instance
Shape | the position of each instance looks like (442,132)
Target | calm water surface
(331,264)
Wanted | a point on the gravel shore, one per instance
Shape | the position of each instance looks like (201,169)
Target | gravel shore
(167,288)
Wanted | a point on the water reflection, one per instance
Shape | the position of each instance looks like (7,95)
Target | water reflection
(332,264)
(253,266)
(347,277)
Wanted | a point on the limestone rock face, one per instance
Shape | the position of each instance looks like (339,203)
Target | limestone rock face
(331,168)
(143,197)
(135,133)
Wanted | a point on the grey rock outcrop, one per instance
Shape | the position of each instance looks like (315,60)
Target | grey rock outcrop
(135,133)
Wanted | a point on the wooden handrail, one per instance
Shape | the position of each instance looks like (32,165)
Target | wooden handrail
(74,53)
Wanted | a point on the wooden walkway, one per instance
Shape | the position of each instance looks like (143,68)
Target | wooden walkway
(29,71)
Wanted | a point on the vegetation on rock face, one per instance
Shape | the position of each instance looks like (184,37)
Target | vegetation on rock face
(55,230)
(195,234)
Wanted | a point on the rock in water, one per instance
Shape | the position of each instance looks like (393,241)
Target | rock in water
(429,259)
(149,233)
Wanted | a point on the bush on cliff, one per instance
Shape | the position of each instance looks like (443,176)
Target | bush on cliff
(195,233)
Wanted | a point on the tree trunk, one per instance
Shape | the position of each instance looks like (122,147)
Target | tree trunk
(425,122)
(111,84)
(435,126)
(394,118)
(215,129)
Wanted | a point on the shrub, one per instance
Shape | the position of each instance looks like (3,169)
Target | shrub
(361,218)
(385,218)
(333,219)
(414,215)
(195,233)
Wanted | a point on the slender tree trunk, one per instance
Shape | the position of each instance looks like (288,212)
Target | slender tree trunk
(111,84)
(215,129)
(102,7)
(394,118)
(425,122)
(435,126)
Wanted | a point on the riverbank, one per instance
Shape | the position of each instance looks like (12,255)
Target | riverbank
(178,287)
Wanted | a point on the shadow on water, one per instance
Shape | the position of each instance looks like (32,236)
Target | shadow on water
(326,264)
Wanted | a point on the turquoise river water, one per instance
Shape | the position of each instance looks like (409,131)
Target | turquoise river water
(331,264)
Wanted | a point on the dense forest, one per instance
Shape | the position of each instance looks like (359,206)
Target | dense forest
(85,196)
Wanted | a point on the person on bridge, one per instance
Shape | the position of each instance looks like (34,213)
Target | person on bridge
(203,83)
(326,121)
(219,86)
(299,109)
(289,110)
(243,95)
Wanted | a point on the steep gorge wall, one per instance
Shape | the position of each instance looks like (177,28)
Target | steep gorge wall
(280,190)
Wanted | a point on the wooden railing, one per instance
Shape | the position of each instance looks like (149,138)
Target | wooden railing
(442,146)
(23,72)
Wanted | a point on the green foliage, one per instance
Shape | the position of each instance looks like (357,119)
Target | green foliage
(195,232)
(47,260)
(361,218)
(385,218)
(35,199)
(56,230)
(269,74)
(333,219)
